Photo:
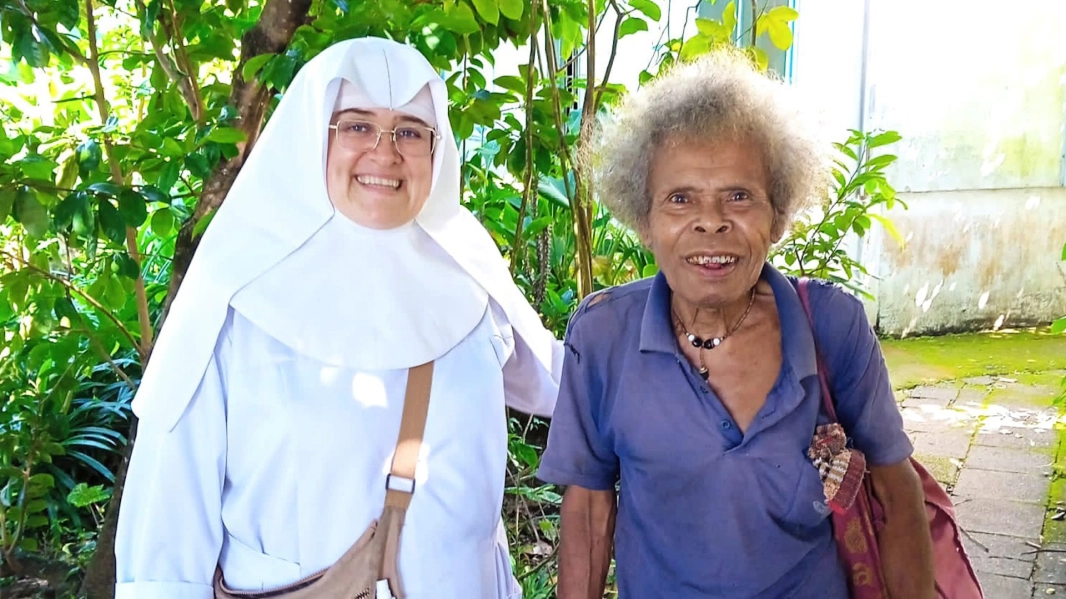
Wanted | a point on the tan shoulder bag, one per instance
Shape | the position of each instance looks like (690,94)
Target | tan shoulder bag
(368,570)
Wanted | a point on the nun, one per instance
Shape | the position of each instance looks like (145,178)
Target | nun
(339,267)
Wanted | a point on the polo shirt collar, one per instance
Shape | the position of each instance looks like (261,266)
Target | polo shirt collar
(797,341)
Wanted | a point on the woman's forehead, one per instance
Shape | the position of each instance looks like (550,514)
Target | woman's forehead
(379,115)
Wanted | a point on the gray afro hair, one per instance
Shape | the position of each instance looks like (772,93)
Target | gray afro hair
(721,96)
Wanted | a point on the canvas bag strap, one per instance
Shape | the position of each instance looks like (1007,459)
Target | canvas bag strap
(400,483)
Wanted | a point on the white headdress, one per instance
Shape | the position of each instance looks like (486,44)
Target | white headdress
(265,249)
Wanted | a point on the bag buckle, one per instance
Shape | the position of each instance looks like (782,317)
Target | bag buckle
(402,484)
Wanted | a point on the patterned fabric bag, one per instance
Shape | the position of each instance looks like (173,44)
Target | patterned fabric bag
(857,516)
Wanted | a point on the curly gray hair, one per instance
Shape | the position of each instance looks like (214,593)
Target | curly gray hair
(721,96)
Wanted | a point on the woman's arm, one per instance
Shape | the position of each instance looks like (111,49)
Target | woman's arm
(586,541)
(170,525)
(906,547)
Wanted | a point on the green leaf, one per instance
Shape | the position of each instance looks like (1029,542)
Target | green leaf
(114,295)
(109,189)
(511,83)
(133,208)
(880,162)
(785,14)
(1059,326)
(154,194)
(226,135)
(7,200)
(696,46)
(172,147)
(89,156)
(127,266)
(202,224)
(163,222)
(729,16)
(82,495)
(36,166)
(488,11)
(30,212)
(649,8)
(43,480)
(29,544)
(883,139)
(512,9)
(255,64)
(63,213)
(780,34)
(632,25)
(649,270)
(460,20)
(1064,252)
(111,221)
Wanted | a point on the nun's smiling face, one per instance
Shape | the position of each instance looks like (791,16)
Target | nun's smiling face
(380,186)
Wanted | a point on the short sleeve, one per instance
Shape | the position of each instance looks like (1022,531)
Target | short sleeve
(578,452)
(858,377)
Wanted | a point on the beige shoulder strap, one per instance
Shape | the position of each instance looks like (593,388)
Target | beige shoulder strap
(400,484)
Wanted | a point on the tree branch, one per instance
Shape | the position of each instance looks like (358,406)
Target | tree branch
(145,346)
(529,190)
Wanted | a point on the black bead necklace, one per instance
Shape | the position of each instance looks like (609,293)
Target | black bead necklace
(711,342)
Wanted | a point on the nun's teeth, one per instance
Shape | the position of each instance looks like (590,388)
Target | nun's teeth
(380,181)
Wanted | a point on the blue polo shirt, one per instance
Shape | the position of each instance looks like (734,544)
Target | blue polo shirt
(703,509)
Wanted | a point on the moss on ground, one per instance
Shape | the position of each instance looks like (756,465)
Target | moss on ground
(926,360)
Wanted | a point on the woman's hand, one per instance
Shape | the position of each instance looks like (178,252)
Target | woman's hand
(906,547)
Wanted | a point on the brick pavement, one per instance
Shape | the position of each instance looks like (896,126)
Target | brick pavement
(993,442)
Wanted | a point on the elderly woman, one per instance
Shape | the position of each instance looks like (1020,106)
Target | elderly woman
(695,393)
(343,316)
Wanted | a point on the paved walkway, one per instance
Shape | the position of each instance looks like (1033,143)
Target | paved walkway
(992,441)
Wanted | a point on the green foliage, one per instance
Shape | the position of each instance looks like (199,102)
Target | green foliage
(859,190)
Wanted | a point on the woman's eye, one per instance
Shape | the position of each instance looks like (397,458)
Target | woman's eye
(677,198)
(409,133)
(355,127)
(739,196)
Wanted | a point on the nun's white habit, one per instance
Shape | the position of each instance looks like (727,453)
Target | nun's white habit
(271,406)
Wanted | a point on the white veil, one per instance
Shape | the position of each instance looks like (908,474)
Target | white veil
(278,205)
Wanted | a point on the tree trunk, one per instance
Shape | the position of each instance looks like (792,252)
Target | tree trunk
(271,34)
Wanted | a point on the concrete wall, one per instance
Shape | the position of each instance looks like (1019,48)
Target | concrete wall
(978,92)
(973,260)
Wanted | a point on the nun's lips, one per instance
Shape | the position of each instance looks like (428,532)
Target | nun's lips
(375,181)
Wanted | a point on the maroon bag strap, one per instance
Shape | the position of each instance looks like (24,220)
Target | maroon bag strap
(827,398)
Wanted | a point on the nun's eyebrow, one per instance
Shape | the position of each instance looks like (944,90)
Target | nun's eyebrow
(367,113)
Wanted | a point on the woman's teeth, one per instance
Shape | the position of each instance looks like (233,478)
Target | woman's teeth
(708,260)
(378,181)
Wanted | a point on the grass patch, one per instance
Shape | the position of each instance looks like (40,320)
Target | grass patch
(926,360)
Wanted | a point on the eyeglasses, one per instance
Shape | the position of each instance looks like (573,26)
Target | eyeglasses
(411,141)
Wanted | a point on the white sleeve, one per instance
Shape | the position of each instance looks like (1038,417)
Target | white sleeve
(170,523)
(528,386)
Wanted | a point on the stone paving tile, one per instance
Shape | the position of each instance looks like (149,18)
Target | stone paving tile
(994,435)
(998,546)
(1001,566)
(1000,517)
(934,419)
(979,380)
(1051,565)
(1003,587)
(989,484)
(1005,459)
(951,443)
(940,395)
(1043,591)
(972,396)
(1018,394)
